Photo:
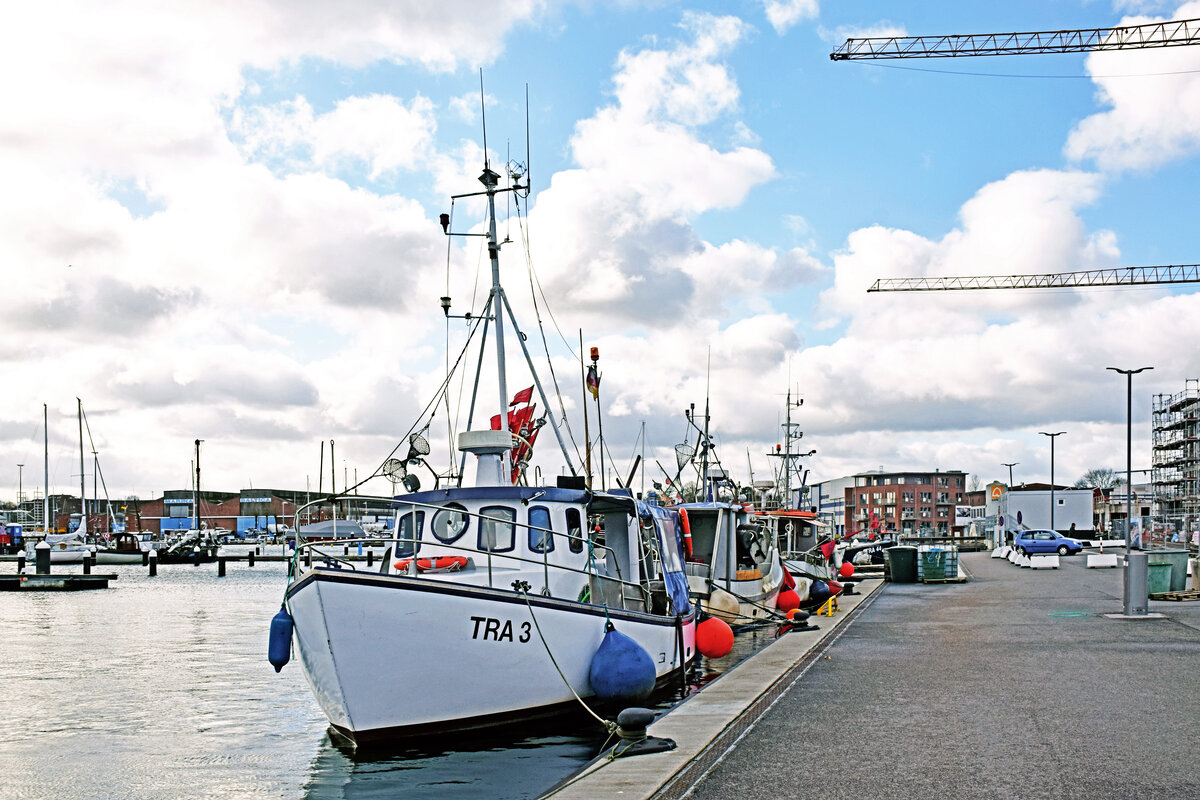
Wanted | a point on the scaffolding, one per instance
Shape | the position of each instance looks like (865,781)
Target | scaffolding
(1175,473)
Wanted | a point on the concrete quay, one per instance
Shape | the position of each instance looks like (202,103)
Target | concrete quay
(1013,685)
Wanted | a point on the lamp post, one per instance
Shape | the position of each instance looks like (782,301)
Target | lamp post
(1135,594)
(1052,435)
(1129,373)
(1010,466)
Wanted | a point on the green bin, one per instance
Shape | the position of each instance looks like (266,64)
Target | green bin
(1158,579)
(1177,560)
(900,563)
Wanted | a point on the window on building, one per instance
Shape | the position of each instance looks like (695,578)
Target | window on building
(958,497)
(926,513)
(943,497)
(926,497)
(908,497)
(958,482)
(877,497)
(943,483)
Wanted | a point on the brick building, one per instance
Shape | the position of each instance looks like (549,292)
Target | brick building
(909,503)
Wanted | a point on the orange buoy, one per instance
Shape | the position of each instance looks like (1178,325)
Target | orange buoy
(846,570)
(787,600)
(714,638)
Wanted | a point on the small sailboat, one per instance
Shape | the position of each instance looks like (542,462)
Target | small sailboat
(497,601)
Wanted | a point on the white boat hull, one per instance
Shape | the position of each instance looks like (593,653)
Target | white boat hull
(113,557)
(383,653)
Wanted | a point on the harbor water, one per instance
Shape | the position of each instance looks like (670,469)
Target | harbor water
(160,688)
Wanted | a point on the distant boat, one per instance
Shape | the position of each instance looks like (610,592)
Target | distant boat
(332,529)
(65,548)
(119,548)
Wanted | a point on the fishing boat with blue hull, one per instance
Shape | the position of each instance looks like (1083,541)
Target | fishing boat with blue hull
(495,601)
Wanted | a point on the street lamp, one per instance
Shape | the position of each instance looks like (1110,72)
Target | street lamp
(1130,591)
(1052,435)
(1010,466)
(1129,373)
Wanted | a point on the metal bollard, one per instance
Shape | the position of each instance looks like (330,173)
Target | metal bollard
(87,564)
(370,558)
(221,566)
(308,557)
(153,561)
(145,557)
(196,556)
(1137,601)
(250,557)
(346,550)
(21,562)
(42,556)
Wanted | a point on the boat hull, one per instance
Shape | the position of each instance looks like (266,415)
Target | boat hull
(382,653)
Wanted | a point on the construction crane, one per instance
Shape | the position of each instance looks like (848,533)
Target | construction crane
(1173,33)
(1116,276)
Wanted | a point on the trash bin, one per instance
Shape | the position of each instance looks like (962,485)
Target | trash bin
(1158,578)
(931,564)
(1177,559)
(900,563)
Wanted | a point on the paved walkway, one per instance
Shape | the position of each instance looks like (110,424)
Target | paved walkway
(1011,686)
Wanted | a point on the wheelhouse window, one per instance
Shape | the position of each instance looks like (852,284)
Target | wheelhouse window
(541,540)
(497,534)
(408,532)
(450,523)
(574,530)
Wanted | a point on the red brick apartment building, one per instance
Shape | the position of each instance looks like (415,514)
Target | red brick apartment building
(908,503)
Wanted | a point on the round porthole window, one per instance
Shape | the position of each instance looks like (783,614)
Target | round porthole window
(450,523)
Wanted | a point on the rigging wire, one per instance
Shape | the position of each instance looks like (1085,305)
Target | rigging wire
(431,404)
(521,226)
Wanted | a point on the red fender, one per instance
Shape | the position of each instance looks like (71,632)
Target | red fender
(687,532)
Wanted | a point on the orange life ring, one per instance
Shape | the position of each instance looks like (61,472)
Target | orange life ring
(435,564)
(687,532)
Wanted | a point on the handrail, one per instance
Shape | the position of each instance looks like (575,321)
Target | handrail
(313,546)
(414,541)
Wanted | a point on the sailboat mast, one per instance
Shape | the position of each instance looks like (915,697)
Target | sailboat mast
(82,476)
(46,467)
(196,491)
(490,181)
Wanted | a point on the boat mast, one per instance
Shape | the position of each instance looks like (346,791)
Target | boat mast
(787,452)
(490,181)
(46,467)
(196,491)
(82,486)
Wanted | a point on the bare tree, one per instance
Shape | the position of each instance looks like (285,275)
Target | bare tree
(1098,478)
(975,483)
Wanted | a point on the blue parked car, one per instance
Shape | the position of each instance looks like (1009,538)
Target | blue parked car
(1033,542)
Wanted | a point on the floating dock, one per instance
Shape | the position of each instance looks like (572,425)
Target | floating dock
(61,582)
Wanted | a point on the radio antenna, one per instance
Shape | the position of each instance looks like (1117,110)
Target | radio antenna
(528,181)
(483,116)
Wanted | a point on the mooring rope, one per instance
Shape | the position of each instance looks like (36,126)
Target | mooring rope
(611,727)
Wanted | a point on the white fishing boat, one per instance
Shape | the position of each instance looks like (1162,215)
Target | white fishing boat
(495,601)
(733,566)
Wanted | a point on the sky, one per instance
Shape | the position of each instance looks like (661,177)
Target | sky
(219,221)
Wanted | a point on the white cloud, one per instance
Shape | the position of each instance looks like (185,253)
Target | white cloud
(783,14)
(1150,120)
(379,131)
